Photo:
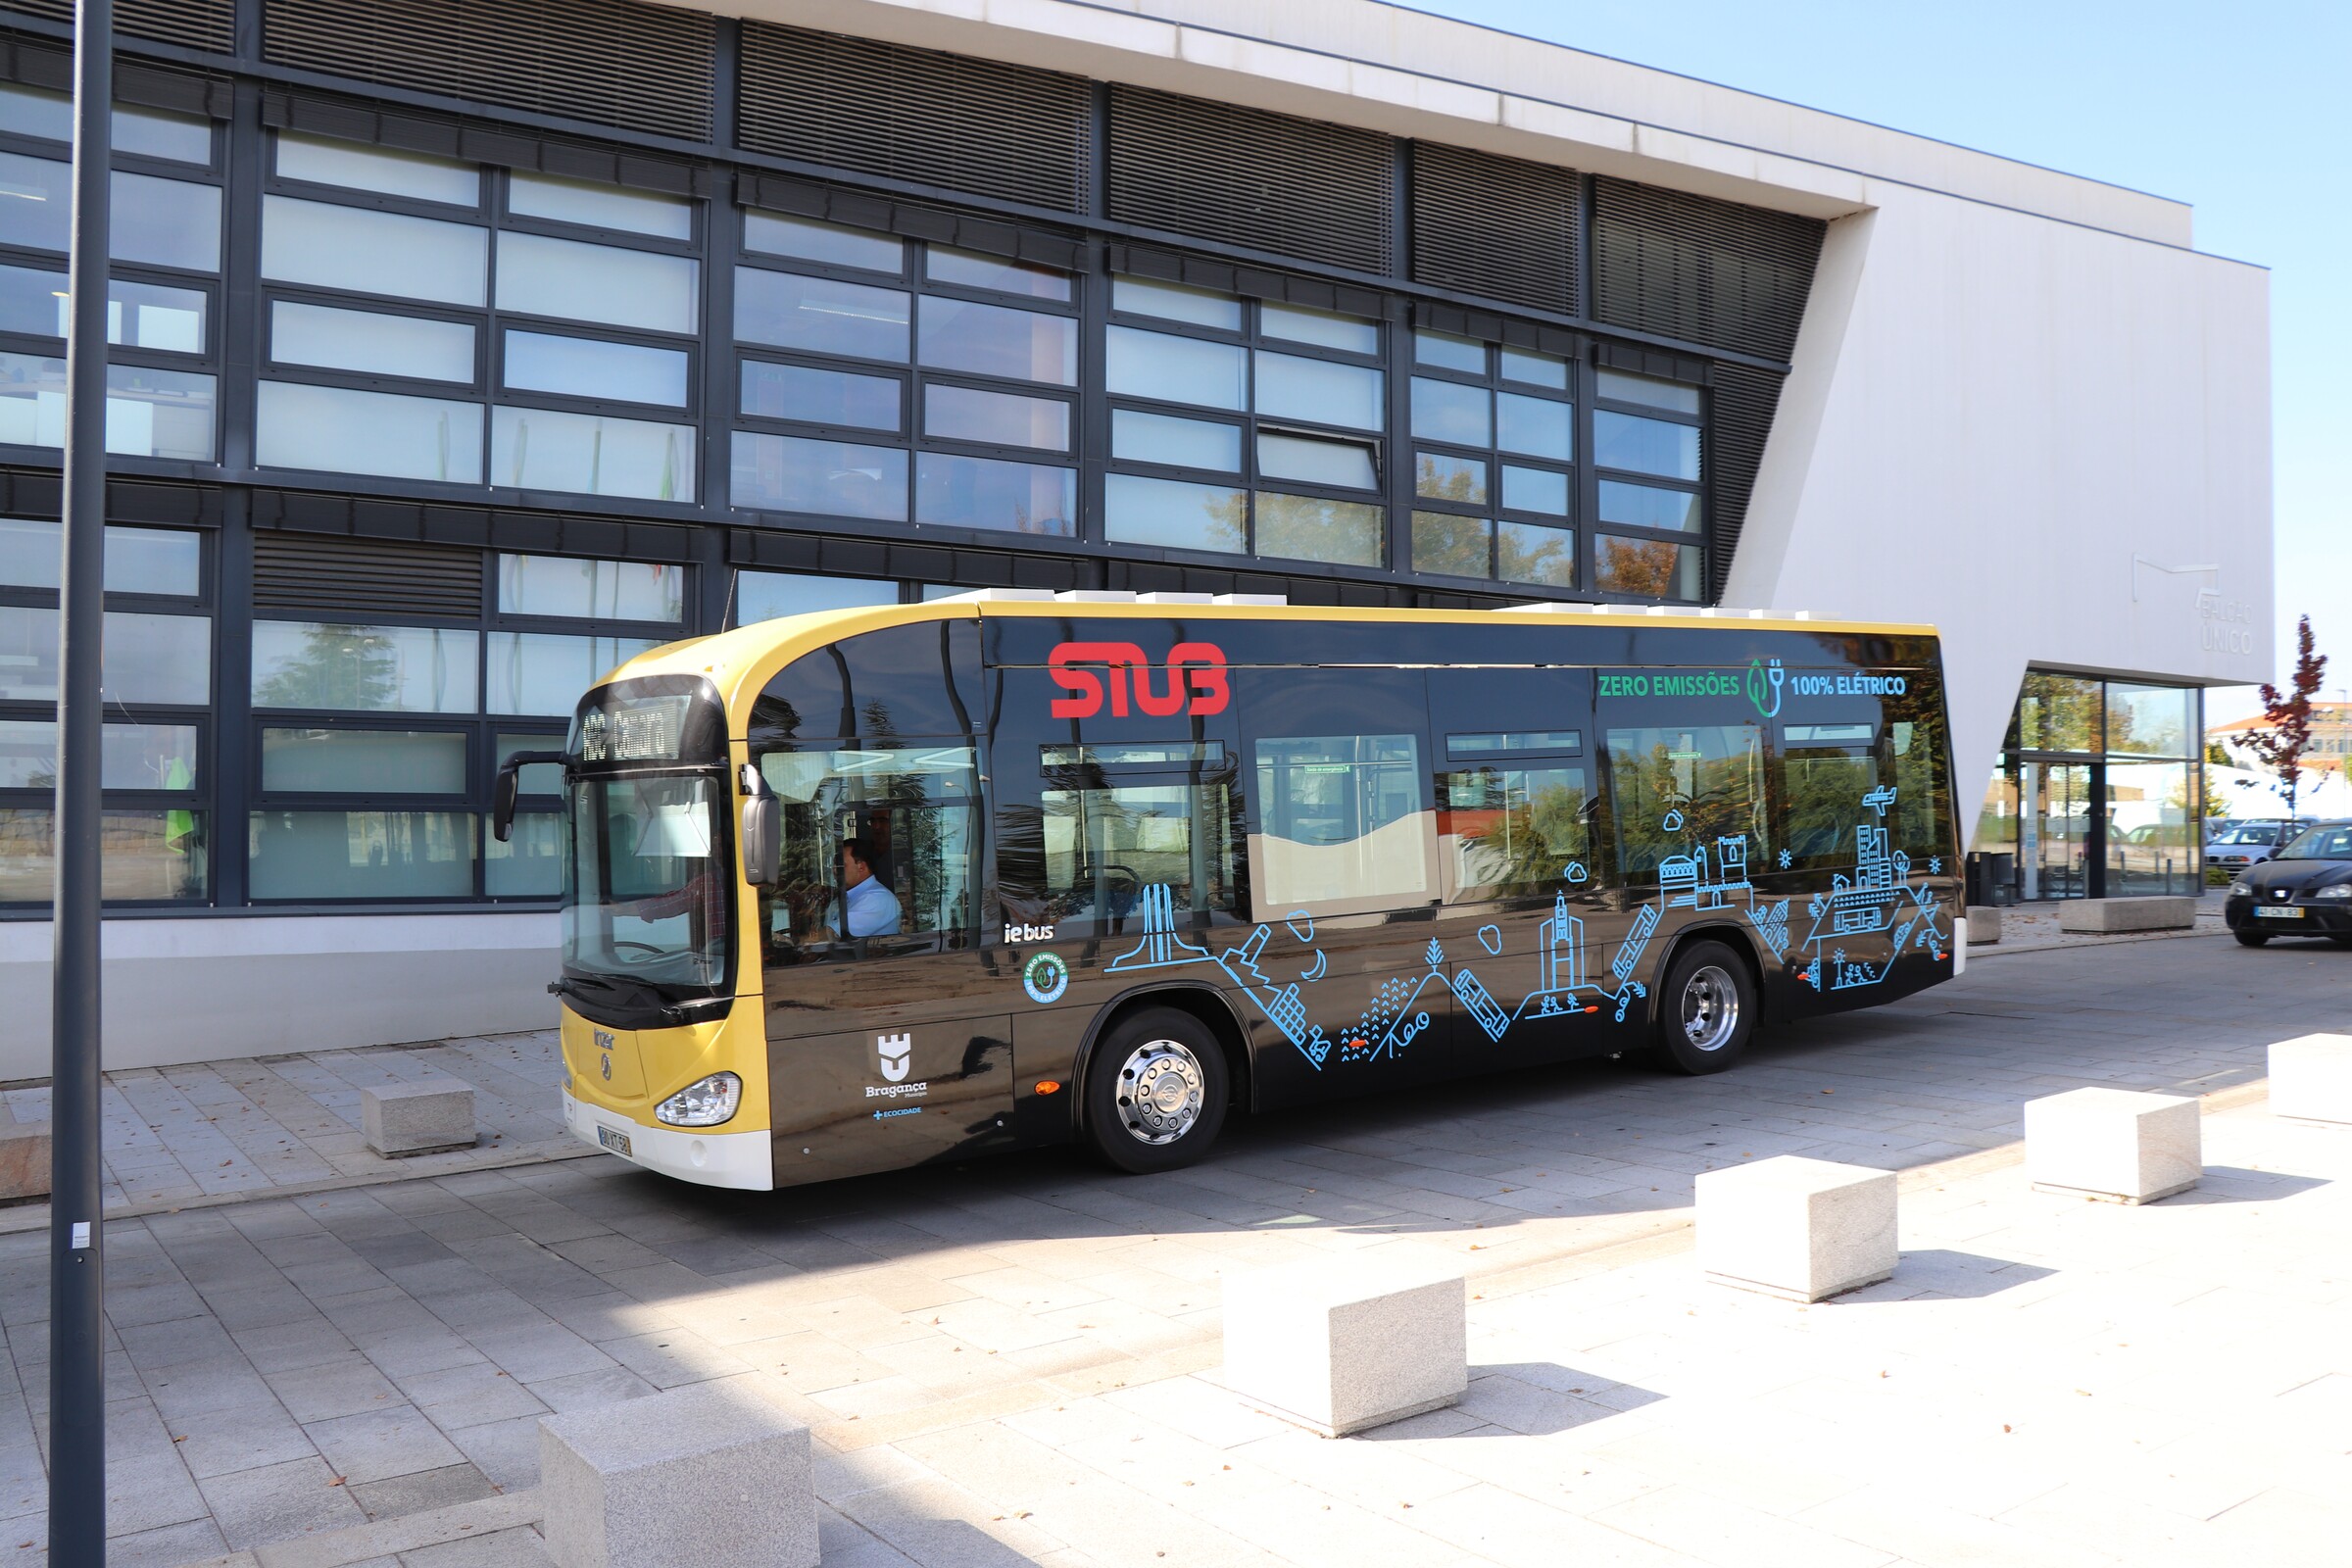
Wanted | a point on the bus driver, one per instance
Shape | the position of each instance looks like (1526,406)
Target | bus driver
(869,909)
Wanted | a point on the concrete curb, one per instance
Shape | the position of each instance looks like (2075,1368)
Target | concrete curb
(2006,949)
(385,1537)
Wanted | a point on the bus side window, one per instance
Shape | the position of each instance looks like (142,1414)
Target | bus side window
(1922,817)
(1827,770)
(1345,823)
(1512,830)
(1116,819)
(1676,789)
(914,811)
(1341,814)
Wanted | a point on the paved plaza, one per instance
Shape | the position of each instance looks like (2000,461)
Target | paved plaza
(1015,1360)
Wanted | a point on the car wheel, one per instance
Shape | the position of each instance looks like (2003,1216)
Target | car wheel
(2251,939)
(1156,1090)
(1707,1009)
(2340,940)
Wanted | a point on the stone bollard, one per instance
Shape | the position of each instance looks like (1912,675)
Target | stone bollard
(1800,1229)
(2156,912)
(2311,1078)
(25,1151)
(2113,1145)
(715,1473)
(1984,924)
(1347,1342)
(417,1119)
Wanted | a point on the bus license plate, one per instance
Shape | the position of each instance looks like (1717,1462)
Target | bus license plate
(617,1141)
(2290,912)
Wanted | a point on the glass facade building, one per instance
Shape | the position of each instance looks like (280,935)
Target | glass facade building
(431,402)
(2099,793)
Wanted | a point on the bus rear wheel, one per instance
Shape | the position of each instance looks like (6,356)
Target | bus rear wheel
(1156,1090)
(1707,1009)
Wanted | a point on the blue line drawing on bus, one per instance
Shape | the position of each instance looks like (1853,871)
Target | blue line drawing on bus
(1880,896)
(1877,902)
(1684,880)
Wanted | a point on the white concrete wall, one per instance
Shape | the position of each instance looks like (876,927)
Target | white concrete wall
(1990,416)
(204,990)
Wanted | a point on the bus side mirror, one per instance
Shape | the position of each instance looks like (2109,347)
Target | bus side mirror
(509,786)
(763,820)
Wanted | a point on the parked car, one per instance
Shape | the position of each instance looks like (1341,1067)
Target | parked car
(2304,890)
(2249,843)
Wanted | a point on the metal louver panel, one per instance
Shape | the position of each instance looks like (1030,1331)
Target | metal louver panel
(1246,177)
(1500,227)
(1014,132)
(1740,418)
(306,572)
(191,24)
(642,67)
(1703,270)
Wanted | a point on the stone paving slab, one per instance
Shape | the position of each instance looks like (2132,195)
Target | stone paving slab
(289,1366)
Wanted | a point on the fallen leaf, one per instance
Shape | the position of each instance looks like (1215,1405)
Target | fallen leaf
(336,1481)
(2004,1426)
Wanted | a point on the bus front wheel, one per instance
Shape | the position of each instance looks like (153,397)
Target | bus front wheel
(1156,1090)
(1707,1009)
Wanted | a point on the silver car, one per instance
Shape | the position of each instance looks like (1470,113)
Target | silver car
(2250,843)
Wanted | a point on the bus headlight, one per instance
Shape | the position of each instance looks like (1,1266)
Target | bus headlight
(705,1103)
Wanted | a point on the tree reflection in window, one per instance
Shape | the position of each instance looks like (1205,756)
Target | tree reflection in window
(1683,787)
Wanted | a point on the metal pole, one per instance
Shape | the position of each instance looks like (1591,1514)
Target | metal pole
(77,1265)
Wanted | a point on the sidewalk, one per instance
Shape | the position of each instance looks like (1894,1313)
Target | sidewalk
(375,1359)
(222,1132)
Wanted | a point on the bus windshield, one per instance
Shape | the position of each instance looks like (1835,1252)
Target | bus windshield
(647,897)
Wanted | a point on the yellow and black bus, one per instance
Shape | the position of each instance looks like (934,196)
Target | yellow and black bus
(852,891)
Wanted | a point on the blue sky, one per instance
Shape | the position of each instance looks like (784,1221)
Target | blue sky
(2237,110)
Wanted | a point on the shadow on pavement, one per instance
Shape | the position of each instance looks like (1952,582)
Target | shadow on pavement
(2235,1184)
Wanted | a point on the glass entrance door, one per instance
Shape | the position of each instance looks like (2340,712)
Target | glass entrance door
(2055,825)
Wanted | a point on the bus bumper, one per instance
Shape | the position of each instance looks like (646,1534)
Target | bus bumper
(742,1160)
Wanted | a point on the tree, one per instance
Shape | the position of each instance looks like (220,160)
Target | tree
(2285,731)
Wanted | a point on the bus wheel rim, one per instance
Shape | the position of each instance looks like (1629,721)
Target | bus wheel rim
(1710,1008)
(1161,1091)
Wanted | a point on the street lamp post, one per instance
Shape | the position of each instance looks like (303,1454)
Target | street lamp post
(76,1262)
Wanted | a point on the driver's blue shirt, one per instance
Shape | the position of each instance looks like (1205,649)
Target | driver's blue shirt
(872,910)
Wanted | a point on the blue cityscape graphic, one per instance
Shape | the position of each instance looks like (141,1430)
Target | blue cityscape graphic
(1858,929)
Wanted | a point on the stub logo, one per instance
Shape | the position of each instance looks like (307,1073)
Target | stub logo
(1193,681)
(895,1052)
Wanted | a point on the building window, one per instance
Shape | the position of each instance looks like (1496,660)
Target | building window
(887,381)
(1243,427)
(155,768)
(433,320)
(1646,455)
(163,379)
(376,744)
(1494,432)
